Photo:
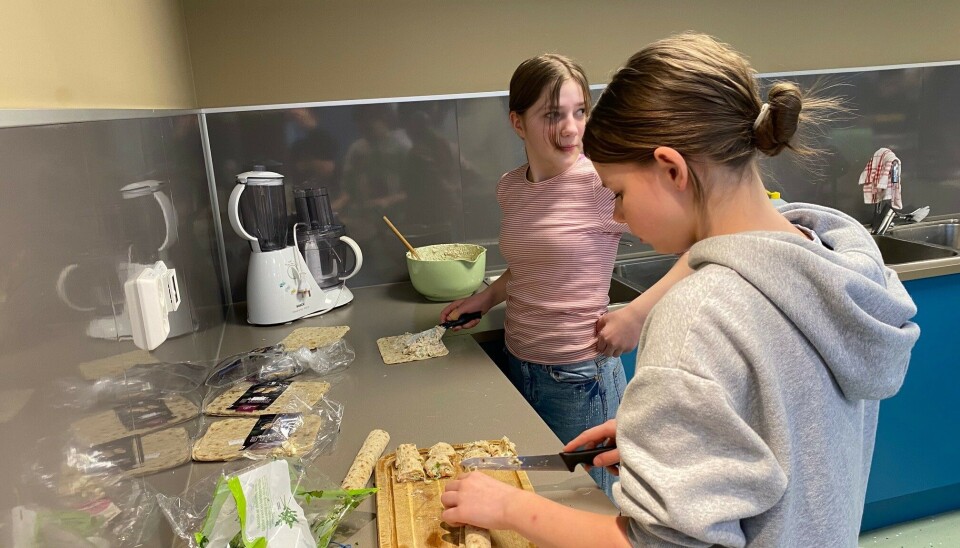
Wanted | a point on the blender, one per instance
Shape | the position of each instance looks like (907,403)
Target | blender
(280,287)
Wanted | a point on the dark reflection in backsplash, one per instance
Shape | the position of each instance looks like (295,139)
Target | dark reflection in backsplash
(86,206)
(89,206)
(400,160)
(911,111)
(432,166)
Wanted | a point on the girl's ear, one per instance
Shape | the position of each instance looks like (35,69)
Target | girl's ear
(671,165)
(516,123)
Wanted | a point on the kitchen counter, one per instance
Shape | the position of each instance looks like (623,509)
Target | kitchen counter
(459,397)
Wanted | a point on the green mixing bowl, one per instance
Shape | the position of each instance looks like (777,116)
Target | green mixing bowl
(447,272)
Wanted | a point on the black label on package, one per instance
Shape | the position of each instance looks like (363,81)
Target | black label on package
(122,454)
(272,430)
(259,396)
(140,414)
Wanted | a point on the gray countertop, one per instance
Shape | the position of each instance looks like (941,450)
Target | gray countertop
(456,398)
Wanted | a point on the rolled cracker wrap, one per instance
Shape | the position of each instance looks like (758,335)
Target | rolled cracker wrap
(409,463)
(362,467)
(475,537)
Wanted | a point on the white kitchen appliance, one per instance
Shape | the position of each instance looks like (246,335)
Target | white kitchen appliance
(85,286)
(280,287)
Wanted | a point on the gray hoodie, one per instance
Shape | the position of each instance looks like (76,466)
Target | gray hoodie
(752,415)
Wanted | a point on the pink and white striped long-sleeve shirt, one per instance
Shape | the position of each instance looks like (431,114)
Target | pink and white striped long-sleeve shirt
(559,239)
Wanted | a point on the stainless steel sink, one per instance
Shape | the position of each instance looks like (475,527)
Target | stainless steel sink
(943,233)
(621,293)
(642,273)
(899,251)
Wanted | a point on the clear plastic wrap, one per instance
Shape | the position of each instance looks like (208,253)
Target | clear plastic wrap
(126,417)
(251,398)
(326,360)
(207,515)
(253,505)
(300,434)
(123,516)
(260,365)
(136,383)
(146,379)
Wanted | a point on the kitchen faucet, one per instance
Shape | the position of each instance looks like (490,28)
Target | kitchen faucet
(884,216)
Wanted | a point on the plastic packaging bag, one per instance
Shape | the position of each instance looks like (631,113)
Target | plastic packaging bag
(147,379)
(299,434)
(261,365)
(255,506)
(81,469)
(136,383)
(251,398)
(125,516)
(326,508)
(206,515)
(326,360)
(127,417)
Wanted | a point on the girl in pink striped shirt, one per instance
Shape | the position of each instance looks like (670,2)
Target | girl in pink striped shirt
(560,241)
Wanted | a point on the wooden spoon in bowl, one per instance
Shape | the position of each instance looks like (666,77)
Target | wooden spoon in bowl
(402,239)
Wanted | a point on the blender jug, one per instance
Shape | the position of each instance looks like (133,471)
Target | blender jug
(263,210)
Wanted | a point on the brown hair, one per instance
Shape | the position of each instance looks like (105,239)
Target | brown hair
(549,70)
(698,96)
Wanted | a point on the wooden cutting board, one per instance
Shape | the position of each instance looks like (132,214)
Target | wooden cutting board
(408,514)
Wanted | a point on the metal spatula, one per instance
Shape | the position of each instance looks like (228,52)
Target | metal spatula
(437,331)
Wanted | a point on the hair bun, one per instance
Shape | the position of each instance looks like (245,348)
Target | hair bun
(773,132)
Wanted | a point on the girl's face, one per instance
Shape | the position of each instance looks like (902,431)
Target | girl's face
(543,125)
(651,200)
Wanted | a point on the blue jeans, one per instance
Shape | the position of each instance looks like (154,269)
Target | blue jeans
(571,398)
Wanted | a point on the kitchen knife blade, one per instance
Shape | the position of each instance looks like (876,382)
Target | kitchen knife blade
(562,461)
(436,332)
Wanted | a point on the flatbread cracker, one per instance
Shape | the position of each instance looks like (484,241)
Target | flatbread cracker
(398,350)
(223,440)
(107,426)
(121,459)
(111,365)
(299,396)
(313,337)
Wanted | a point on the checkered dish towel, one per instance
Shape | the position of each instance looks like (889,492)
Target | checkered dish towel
(881,179)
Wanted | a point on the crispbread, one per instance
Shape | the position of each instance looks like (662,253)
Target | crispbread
(111,365)
(105,426)
(223,440)
(397,349)
(162,450)
(313,337)
(299,396)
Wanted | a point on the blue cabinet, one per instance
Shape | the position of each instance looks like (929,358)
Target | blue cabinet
(916,463)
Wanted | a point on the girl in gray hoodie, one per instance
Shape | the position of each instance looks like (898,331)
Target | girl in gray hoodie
(752,415)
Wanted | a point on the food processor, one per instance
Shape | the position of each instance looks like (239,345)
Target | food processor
(323,242)
(280,286)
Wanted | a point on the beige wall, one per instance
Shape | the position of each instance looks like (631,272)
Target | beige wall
(255,52)
(94,54)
